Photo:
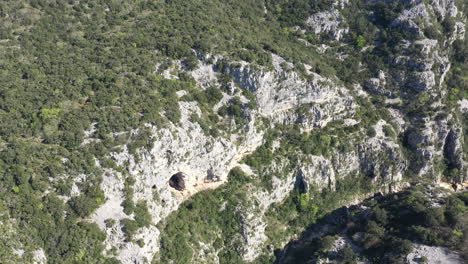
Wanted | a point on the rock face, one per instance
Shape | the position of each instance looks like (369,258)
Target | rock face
(421,81)
(280,93)
(407,17)
(433,255)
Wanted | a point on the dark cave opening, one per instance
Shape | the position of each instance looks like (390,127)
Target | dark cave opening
(177,181)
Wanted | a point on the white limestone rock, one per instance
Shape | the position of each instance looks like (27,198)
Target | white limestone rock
(444,8)
(377,85)
(279,93)
(434,255)
(422,81)
(407,18)
(39,257)
(328,22)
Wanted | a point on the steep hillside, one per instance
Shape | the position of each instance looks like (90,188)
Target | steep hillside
(185,131)
(423,224)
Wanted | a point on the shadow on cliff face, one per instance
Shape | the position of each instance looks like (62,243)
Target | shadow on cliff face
(453,156)
(318,237)
(303,250)
(300,183)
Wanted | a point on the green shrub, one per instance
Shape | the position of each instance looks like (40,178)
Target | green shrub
(84,205)
(360,42)
(371,132)
(388,131)
(129,227)
(142,216)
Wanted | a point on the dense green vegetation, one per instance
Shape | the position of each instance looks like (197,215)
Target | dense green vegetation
(210,218)
(294,13)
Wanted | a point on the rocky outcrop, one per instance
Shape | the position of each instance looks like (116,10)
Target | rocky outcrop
(433,255)
(317,171)
(377,85)
(279,93)
(39,257)
(444,8)
(407,18)
(453,154)
(328,22)
(421,81)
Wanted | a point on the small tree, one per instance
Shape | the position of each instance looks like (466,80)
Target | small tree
(360,42)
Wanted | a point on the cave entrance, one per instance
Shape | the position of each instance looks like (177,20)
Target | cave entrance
(177,181)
